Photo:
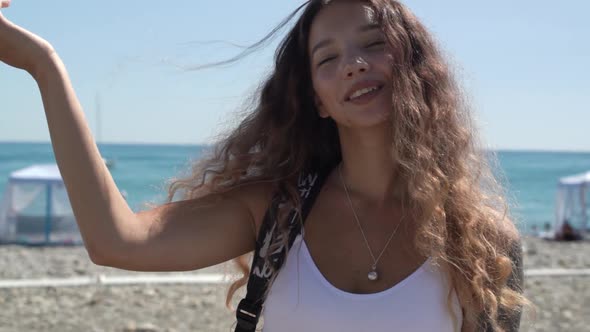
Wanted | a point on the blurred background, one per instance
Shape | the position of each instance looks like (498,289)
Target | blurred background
(524,66)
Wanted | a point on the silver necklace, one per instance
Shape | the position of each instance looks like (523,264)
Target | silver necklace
(372,275)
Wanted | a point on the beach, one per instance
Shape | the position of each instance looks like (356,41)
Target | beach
(562,302)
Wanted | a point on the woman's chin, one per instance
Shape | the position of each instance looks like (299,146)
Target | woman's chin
(370,118)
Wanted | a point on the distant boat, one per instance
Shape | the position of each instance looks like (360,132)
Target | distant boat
(109,162)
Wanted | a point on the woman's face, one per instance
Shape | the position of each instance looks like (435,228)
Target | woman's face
(350,65)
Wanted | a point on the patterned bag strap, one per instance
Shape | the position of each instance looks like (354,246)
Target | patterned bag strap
(248,312)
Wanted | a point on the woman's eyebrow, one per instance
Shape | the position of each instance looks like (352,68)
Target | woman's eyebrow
(326,42)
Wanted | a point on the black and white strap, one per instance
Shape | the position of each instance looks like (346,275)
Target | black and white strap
(248,312)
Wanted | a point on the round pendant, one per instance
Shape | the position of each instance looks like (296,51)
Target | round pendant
(373,275)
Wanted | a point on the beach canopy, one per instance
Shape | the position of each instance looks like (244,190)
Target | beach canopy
(35,208)
(572,202)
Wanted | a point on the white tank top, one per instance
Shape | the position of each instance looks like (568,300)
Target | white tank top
(301,299)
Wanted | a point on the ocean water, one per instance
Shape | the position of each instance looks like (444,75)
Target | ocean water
(140,170)
(143,170)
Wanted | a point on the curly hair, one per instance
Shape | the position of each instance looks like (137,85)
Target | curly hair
(446,177)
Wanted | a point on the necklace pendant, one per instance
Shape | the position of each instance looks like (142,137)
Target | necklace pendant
(373,275)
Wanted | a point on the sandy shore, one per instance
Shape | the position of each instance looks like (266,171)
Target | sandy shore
(563,302)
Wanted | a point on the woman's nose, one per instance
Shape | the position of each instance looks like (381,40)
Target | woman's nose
(354,66)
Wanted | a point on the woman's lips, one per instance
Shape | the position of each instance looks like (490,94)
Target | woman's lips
(367,97)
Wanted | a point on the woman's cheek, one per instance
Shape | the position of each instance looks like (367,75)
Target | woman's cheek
(326,72)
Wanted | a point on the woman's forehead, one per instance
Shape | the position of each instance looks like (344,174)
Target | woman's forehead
(340,18)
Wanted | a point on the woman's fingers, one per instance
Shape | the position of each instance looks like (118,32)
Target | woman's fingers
(4,3)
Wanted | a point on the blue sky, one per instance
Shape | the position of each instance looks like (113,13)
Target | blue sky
(524,64)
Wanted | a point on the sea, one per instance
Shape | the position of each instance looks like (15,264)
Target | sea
(143,171)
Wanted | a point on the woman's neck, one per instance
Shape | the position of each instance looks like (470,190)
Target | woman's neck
(367,166)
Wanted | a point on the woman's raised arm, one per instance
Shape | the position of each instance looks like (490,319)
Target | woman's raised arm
(180,235)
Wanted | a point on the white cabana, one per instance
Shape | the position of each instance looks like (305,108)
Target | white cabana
(36,210)
(572,202)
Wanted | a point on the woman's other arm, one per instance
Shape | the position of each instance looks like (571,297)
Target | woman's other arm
(181,235)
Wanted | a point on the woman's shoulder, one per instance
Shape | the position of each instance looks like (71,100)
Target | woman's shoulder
(510,240)
(256,197)
(505,226)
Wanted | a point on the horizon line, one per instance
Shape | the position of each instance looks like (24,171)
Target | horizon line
(501,149)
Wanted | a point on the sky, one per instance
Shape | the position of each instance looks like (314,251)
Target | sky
(524,65)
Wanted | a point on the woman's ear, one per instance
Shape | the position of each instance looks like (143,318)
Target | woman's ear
(320,107)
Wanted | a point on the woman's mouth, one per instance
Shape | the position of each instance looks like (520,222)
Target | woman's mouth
(363,96)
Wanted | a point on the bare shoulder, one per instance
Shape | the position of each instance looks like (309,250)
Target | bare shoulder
(505,225)
(257,198)
(509,231)
(509,237)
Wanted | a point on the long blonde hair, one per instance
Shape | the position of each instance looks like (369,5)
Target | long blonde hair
(457,203)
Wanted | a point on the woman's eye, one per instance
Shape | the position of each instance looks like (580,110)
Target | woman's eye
(375,43)
(326,60)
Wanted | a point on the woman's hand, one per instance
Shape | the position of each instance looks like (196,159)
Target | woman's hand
(20,48)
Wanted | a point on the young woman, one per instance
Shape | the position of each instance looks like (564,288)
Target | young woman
(409,231)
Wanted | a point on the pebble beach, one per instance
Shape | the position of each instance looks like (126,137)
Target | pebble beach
(562,302)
